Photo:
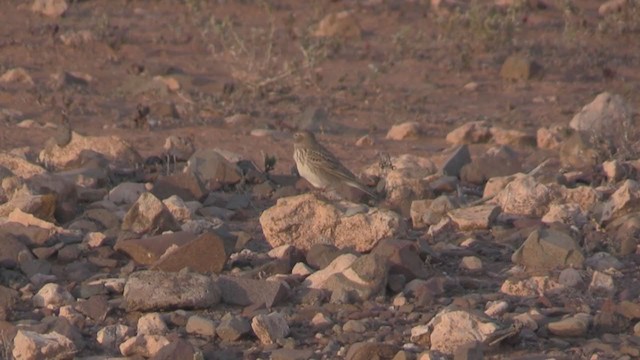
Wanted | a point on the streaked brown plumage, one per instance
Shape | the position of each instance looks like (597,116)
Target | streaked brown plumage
(319,166)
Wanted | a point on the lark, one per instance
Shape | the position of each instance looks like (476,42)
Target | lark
(320,167)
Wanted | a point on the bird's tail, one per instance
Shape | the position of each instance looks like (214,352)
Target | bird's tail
(363,188)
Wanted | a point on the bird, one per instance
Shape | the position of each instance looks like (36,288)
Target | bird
(320,167)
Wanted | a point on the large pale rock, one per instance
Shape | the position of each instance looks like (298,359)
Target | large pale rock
(605,114)
(452,329)
(363,279)
(270,328)
(406,130)
(113,148)
(51,8)
(305,220)
(548,249)
(29,345)
(470,133)
(40,206)
(52,296)
(143,345)
(212,169)
(341,24)
(623,201)
(338,265)
(149,215)
(155,290)
(524,196)
(19,166)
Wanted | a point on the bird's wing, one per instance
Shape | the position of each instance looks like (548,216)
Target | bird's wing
(321,157)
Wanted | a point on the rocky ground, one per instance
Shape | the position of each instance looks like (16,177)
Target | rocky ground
(149,209)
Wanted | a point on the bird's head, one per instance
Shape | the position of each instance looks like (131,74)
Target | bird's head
(304,137)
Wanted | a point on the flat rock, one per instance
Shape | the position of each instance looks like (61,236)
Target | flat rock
(548,249)
(185,185)
(149,215)
(113,148)
(574,326)
(244,291)
(29,345)
(371,350)
(147,251)
(305,220)
(475,218)
(155,290)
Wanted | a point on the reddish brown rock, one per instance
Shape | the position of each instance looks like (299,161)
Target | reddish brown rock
(147,251)
(206,253)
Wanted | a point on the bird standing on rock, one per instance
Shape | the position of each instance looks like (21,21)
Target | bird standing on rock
(320,167)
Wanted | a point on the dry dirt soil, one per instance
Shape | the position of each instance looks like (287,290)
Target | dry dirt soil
(261,58)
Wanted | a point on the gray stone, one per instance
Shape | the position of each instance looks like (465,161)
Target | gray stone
(212,169)
(454,163)
(149,215)
(548,249)
(244,291)
(154,290)
(232,328)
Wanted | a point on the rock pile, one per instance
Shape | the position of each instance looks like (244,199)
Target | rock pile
(458,260)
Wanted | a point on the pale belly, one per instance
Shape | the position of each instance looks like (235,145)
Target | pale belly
(312,178)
